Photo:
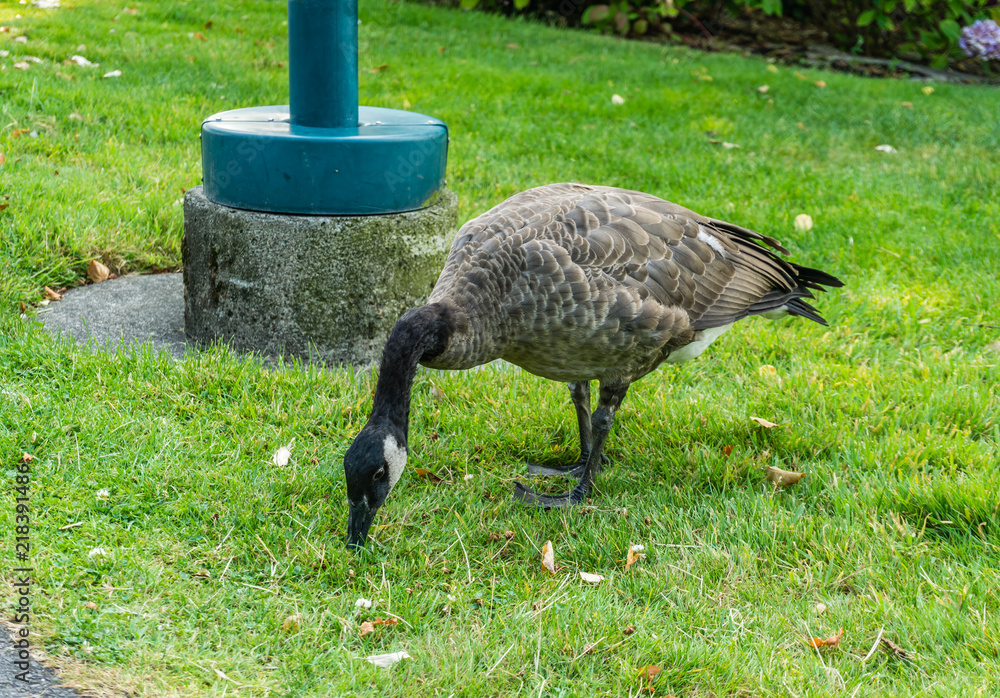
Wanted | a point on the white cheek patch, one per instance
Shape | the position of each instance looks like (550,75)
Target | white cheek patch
(395,457)
(711,241)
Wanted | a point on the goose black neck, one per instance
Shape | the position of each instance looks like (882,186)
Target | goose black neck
(421,332)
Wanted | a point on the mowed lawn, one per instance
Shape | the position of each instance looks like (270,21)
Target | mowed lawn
(219,573)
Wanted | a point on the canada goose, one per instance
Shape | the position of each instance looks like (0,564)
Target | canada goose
(574,283)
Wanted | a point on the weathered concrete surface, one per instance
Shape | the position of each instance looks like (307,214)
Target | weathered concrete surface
(327,288)
(130,311)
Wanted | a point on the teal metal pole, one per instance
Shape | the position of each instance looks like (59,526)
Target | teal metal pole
(323,63)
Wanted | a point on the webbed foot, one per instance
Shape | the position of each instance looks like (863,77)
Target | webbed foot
(547,501)
(571,470)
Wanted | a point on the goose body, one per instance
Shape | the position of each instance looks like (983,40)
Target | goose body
(573,283)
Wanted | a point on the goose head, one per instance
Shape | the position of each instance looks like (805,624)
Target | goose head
(373,465)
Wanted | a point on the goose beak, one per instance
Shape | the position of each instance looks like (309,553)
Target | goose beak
(359,520)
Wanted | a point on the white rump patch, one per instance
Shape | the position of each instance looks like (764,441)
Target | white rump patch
(395,457)
(710,240)
(700,344)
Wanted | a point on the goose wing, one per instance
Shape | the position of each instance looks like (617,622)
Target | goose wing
(716,272)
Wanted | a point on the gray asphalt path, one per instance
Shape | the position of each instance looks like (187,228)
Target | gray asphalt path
(42,681)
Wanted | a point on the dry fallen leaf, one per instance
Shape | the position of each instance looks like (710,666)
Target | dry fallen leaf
(91,605)
(634,555)
(549,557)
(782,478)
(894,649)
(437,393)
(906,105)
(291,624)
(885,149)
(648,673)
(927,90)
(2,159)
(617,100)
(763,89)
(993,346)
(767,370)
(800,76)
(27,458)
(821,608)
(629,629)
(427,474)
(763,422)
(820,84)
(366,627)
(97,271)
(282,455)
(726,450)
(51,295)
(772,68)
(513,46)
(380,68)
(387,660)
(591,578)
(831,641)
(803,222)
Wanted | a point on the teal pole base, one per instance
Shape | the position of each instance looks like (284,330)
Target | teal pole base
(257,159)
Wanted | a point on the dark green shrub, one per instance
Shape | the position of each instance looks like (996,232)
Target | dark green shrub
(922,30)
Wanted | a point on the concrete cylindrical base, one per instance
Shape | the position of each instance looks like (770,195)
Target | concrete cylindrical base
(326,288)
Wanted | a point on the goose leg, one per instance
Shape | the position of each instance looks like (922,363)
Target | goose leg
(580,392)
(610,399)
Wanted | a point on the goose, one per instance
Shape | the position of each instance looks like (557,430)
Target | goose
(574,283)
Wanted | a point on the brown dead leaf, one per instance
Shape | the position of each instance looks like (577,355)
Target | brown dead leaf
(628,630)
(782,478)
(424,473)
(3,206)
(199,36)
(97,271)
(91,605)
(291,623)
(648,674)
(894,649)
(634,555)
(380,68)
(18,132)
(131,11)
(51,295)
(906,105)
(2,159)
(831,641)
(513,47)
(549,557)
(801,125)
(820,84)
(726,450)
(369,625)
(209,24)
(763,422)
(27,458)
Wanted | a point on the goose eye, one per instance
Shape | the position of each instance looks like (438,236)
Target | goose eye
(380,474)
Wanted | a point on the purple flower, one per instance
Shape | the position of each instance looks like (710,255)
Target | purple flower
(981,40)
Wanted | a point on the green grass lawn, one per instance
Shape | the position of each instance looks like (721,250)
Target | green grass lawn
(209,547)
